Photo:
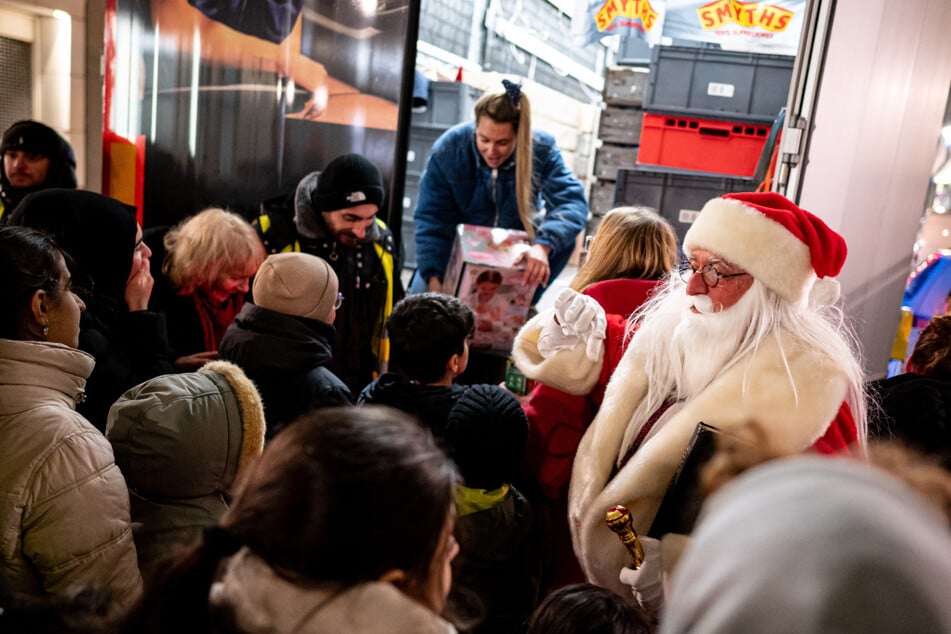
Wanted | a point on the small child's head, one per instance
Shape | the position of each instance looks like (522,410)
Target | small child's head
(487,283)
(297,284)
(485,436)
(585,608)
(428,334)
(932,353)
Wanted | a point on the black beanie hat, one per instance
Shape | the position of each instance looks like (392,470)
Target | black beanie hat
(485,436)
(348,181)
(33,136)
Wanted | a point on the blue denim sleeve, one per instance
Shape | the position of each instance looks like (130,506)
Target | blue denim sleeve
(566,208)
(435,219)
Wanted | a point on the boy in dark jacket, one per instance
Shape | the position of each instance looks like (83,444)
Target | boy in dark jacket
(428,349)
(283,340)
(496,575)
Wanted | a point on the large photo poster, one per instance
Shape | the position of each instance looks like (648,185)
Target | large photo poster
(228,103)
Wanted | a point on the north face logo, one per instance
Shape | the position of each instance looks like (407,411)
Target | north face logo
(356,197)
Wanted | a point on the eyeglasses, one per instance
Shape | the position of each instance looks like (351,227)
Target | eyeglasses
(338,301)
(710,276)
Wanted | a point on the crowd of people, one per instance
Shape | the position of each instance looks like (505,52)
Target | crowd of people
(244,425)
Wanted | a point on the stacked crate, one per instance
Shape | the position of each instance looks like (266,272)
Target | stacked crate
(707,118)
(619,135)
(449,103)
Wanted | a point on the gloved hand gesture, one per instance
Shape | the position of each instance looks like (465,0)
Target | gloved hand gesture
(577,318)
(647,582)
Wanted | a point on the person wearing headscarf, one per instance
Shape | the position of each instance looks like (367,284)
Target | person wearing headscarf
(104,240)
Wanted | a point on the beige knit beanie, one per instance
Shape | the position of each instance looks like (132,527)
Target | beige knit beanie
(296,284)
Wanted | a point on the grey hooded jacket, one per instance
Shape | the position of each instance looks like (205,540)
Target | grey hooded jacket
(180,441)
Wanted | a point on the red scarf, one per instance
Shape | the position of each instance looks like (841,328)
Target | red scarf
(216,319)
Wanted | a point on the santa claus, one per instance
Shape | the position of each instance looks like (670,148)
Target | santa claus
(745,333)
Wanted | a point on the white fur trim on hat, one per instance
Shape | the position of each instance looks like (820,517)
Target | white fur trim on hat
(762,247)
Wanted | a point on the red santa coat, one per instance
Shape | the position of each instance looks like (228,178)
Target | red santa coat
(799,405)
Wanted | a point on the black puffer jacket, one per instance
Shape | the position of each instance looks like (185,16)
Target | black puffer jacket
(429,403)
(287,359)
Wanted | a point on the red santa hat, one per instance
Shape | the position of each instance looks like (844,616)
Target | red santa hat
(785,247)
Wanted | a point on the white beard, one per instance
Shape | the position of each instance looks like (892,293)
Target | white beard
(690,350)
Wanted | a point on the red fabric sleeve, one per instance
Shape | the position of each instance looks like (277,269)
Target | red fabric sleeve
(556,422)
(840,435)
(614,346)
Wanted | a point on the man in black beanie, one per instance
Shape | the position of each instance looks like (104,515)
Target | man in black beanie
(35,157)
(333,215)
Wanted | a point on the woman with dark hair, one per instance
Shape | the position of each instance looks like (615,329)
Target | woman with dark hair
(344,524)
(498,172)
(102,236)
(64,507)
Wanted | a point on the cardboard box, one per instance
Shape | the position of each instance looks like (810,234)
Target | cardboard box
(482,273)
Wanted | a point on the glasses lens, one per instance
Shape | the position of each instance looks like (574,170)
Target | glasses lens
(339,301)
(710,276)
(686,272)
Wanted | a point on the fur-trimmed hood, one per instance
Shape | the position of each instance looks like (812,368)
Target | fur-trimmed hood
(793,404)
(187,436)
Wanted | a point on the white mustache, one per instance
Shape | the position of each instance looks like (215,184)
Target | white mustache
(703,304)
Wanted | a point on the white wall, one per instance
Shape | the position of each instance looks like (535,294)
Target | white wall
(877,120)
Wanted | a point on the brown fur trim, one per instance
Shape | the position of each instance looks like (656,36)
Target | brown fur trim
(252,410)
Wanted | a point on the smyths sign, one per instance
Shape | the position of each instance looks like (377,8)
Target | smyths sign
(756,27)
(723,13)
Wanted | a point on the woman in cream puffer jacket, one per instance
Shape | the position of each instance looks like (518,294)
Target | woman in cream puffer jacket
(64,507)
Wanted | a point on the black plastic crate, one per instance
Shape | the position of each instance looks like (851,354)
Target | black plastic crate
(677,195)
(421,141)
(719,84)
(450,102)
(633,51)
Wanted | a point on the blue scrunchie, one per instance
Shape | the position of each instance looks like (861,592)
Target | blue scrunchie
(513,91)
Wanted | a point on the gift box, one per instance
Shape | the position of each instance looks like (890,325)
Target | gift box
(483,274)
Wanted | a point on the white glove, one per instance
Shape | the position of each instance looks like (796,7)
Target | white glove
(577,318)
(647,582)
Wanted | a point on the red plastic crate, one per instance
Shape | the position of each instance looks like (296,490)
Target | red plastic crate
(704,145)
